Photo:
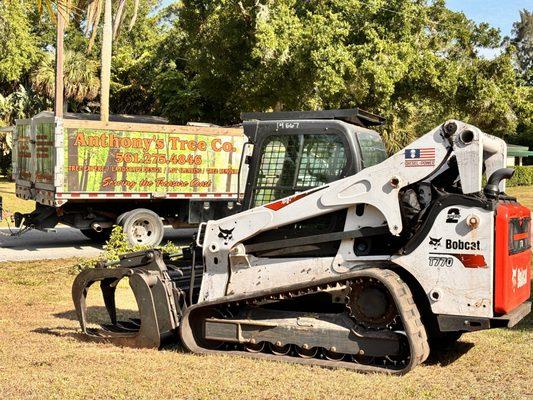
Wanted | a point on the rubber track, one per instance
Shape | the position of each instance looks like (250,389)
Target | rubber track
(407,309)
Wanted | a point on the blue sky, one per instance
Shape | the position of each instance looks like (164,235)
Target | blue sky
(498,13)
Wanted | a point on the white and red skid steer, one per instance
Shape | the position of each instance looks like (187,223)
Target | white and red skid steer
(338,257)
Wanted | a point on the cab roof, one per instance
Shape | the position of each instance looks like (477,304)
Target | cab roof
(354,116)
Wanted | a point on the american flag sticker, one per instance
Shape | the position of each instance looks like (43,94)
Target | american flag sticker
(423,157)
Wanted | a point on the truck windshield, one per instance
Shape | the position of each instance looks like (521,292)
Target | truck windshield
(372,148)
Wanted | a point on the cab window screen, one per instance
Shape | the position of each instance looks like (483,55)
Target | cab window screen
(276,170)
(294,163)
(372,148)
(323,160)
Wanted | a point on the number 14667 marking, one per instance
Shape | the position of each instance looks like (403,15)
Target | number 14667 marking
(440,261)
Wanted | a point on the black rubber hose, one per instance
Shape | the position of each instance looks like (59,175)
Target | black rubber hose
(491,188)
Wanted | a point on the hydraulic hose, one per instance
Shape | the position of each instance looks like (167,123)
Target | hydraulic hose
(492,187)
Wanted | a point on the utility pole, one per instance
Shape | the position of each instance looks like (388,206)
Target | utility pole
(60,30)
(105,77)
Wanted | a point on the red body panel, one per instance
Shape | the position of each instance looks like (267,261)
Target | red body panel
(512,274)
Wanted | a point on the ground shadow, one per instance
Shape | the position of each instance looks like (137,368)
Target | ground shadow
(98,315)
(449,354)
(35,240)
(71,314)
(59,331)
(171,343)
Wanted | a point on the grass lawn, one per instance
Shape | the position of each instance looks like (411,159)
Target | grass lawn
(524,194)
(42,356)
(12,203)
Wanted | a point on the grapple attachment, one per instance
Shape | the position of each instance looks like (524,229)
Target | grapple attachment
(158,299)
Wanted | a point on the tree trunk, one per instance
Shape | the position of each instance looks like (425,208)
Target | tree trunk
(59,63)
(105,77)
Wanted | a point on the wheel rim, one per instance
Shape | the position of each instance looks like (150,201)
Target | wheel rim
(143,231)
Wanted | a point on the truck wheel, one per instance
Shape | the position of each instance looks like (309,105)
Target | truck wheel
(120,218)
(97,237)
(143,227)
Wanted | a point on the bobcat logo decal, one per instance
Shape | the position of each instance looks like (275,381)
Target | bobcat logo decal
(434,242)
(226,234)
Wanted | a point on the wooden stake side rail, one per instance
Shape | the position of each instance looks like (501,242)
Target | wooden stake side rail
(152,128)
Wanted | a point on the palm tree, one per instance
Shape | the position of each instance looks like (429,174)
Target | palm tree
(80,77)
(110,31)
(59,16)
(523,40)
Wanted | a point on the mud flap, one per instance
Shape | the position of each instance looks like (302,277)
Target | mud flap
(153,290)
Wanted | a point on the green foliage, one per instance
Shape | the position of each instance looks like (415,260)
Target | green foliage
(414,62)
(523,176)
(136,64)
(117,245)
(81,80)
(19,104)
(523,40)
(18,47)
(523,107)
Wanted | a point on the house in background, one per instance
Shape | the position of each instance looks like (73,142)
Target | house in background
(516,155)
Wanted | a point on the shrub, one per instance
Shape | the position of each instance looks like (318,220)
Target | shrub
(523,176)
(117,245)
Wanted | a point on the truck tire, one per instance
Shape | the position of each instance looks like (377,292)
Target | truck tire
(97,237)
(143,227)
(121,217)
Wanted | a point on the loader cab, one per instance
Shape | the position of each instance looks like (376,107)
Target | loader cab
(297,151)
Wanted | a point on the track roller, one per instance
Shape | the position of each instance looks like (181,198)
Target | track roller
(255,347)
(332,355)
(279,349)
(306,353)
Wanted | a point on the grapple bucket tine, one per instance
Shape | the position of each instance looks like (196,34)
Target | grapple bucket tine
(153,293)
(79,296)
(108,288)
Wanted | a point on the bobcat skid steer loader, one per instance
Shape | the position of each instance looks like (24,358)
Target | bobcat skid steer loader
(340,257)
